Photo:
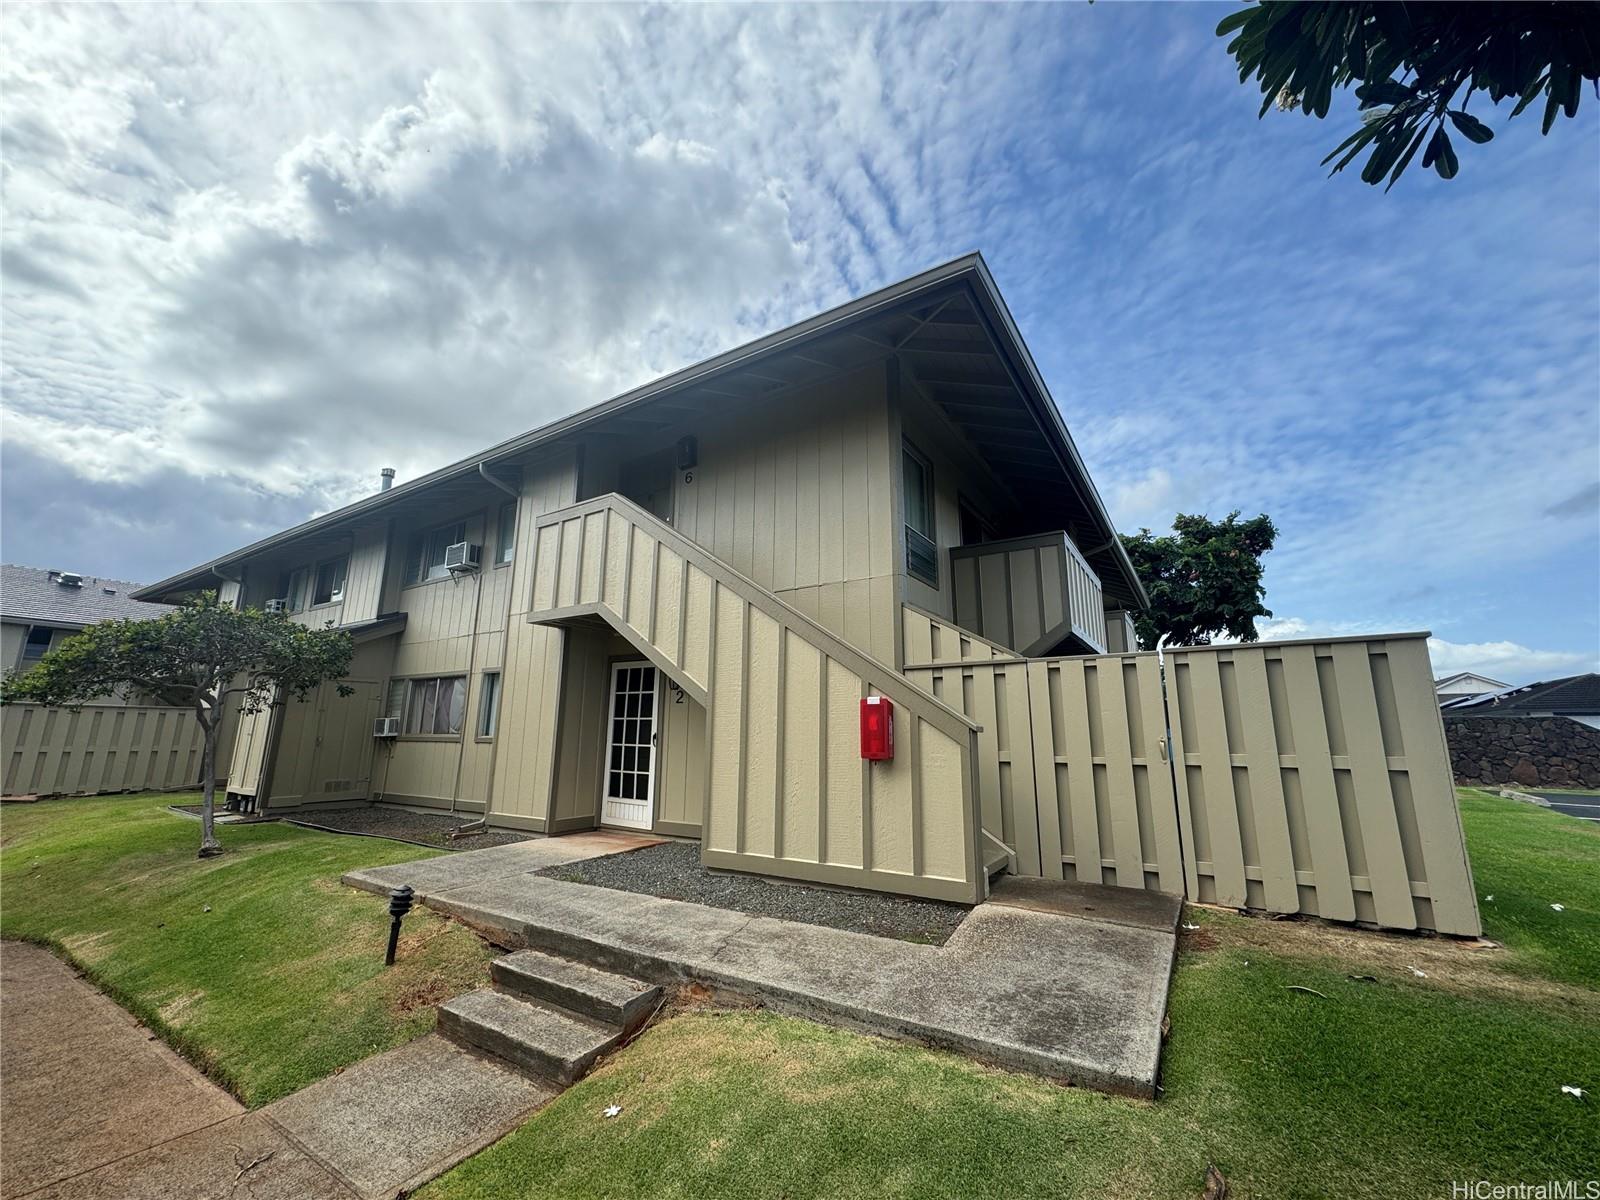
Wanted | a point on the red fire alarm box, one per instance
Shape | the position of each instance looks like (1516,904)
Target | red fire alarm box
(877,728)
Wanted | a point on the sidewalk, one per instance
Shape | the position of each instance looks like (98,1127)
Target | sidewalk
(94,1105)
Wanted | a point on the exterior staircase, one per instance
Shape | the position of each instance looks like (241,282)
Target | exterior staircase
(548,1016)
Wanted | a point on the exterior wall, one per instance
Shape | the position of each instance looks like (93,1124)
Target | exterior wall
(325,746)
(100,748)
(1523,751)
(523,764)
(1121,636)
(1312,777)
(788,793)
(958,474)
(11,639)
(797,494)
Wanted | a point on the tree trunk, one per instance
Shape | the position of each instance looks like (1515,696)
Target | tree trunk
(209,846)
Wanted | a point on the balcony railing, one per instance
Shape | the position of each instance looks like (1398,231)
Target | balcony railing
(1029,593)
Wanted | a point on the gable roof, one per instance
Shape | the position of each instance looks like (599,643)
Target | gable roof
(31,595)
(1447,680)
(952,313)
(1575,694)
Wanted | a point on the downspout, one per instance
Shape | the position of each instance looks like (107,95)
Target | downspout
(472,669)
(1172,764)
(505,643)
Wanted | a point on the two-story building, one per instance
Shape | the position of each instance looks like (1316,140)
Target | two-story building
(664,612)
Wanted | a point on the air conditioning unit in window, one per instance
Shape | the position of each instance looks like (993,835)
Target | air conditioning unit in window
(463,556)
(386,727)
(280,605)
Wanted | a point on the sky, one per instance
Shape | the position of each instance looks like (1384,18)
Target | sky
(251,254)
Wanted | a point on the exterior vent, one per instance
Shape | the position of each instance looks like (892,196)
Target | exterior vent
(280,605)
(386,727)
(462,557)
(338,785)
(70,579)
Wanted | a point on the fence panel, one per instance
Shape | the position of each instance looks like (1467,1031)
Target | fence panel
(99,748)
(1305,777)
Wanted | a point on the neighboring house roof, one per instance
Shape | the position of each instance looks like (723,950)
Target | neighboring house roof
(1576,695)
(34,596)
(1052,469)
(1447,682)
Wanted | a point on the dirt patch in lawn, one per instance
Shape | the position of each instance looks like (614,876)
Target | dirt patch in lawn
(423,829)
(1455,964)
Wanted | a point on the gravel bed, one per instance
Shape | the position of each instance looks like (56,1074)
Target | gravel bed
(672,870)
(430,829)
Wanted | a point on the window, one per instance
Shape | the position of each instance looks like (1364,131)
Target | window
(435,707)
(488,704)
(36,646)
(425,552)
(506,540)
(975,528)
(293,588)
(330,580)
(922,551)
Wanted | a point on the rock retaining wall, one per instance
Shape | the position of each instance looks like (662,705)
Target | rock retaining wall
(1528,751)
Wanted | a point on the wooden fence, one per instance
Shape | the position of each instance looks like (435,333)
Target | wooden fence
(1296,777)
(100,748)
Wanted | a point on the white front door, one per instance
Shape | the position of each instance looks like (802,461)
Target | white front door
(630,780)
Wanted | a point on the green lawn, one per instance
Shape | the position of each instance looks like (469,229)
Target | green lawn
(1386,1088)
(257,965)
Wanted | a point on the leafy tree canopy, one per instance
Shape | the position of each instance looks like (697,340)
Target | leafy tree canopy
(1416,68)
(1204,579)
(199,656)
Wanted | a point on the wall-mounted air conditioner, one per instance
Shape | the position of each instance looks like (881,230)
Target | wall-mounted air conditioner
(386,727)
(280,605)
(463,556)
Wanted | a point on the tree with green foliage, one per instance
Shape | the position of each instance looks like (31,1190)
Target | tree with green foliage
(1409,64)
(1204,579)
(199,657)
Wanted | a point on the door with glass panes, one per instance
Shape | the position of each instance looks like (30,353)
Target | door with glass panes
(630,778)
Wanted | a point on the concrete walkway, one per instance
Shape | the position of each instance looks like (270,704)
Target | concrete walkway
(1065,980)
(94,1105)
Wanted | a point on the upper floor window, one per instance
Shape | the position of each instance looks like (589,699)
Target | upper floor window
(425,551)
(36,646)
(506,539)
(922,549)
(330,580)
(293,588)
(975,527)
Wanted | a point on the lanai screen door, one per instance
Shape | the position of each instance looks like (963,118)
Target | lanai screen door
(630,748)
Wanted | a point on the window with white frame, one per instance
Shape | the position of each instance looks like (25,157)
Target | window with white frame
(425,551)
(330,580)
(434,706)
(489,704)
(922,549)
(506,539)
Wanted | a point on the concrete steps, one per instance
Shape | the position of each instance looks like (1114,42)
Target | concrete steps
(548,1016)
(601,996)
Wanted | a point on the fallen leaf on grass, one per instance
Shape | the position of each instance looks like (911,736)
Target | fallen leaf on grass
(1191,927)
(1559,907)
(1572,1091)
(1295,987)
(613,1110)
(1362,978)
(1216,1186)
(1419,974)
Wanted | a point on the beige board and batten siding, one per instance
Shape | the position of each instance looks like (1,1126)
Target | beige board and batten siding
(525,745)
(1028,593)
(99,748)
(787,791)
(930,638)
(797,494)
(1312,776)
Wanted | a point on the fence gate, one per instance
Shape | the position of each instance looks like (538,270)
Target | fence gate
(1300,777)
